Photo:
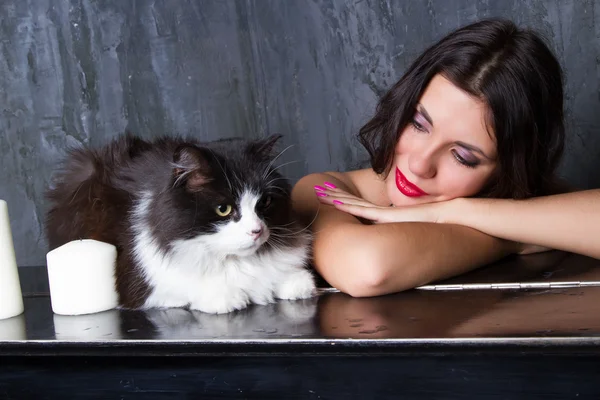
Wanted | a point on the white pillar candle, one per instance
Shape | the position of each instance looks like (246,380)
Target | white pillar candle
(11,299)
(13,328)
(100,326)
(81,275)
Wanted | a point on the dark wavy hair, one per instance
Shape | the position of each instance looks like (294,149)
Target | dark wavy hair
(516,75)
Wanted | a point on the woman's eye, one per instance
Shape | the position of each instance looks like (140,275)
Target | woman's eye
(223,210)
(418,126)
(266,201)
(419,122)
(463,161)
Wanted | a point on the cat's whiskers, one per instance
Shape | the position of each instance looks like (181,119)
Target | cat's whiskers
(277,244)
(267,173)
(282,235)
(288,224)
(301,230)
(279,166)
(281,228)
(283,191)
(280,178)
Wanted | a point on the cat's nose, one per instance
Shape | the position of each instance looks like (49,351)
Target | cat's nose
(256,233)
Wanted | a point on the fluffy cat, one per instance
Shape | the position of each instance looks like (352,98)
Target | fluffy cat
(204,226)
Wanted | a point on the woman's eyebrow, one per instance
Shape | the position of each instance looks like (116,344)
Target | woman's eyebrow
(423,111)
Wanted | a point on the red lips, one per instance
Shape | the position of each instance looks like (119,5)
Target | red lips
(406,187)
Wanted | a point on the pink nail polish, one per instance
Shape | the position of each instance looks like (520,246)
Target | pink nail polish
(320,188)
(330,185)
(337,202)
(321,194)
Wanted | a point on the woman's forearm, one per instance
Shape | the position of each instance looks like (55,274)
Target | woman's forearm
(569,222)
(410,254)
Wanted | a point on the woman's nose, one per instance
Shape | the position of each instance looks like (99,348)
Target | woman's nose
(423,163)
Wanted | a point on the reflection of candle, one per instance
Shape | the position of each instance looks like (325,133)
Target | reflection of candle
(11,299)
(13,328)
(81,275)
(99,326)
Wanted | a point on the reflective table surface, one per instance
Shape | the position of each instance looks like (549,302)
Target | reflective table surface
(566,317)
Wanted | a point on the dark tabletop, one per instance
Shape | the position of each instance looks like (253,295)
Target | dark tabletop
(565,318)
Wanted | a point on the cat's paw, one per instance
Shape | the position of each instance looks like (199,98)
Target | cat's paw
(222,303)
(298,311)
(169,317)
(299,285)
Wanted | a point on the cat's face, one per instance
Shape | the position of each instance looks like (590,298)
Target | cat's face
(231,202)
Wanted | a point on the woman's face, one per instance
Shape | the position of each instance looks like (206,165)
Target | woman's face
(447,150)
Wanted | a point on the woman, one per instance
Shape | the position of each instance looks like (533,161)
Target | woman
(471,131)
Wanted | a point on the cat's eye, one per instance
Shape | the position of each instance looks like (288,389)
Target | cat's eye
(223,210)
(266,201)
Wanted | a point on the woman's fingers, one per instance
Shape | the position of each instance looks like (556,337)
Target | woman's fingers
(328,195)
(372,213)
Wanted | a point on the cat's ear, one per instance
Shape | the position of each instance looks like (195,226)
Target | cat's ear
(191,166)
(263,148)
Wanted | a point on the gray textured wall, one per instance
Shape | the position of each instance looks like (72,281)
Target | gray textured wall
(86,70)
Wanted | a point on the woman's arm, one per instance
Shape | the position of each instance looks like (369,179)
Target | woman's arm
(569,221)
(370,260)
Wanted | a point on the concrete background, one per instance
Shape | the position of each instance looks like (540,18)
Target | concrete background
(86,70)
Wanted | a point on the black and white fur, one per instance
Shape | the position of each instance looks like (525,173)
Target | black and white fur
(165,205)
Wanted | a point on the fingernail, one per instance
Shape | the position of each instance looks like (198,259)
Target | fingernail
(321,194)
(330,185)
(337,202)
(320,188)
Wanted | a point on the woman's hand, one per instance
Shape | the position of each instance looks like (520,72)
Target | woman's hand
(344,201)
